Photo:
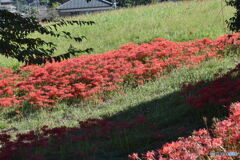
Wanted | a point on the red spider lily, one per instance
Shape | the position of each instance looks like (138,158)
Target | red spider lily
(27,145)
(200,144)
(86,77)
(134,156)
(222,91)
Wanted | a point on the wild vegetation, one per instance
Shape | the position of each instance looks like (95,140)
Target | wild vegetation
(16,43)
(91,76)
(131,102)
(173,21)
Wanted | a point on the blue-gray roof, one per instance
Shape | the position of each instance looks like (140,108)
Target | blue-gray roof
(73,4)
(6,1)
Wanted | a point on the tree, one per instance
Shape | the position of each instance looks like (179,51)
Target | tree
(234,22)
(15,41)
(52,2)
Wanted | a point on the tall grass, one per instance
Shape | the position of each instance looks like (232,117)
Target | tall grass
(178,21)
(159,100)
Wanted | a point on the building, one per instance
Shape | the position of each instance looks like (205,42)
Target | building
(8,5)
(75,7)
(6,2)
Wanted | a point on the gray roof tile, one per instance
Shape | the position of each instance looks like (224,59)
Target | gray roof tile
(6,1)
(84,4)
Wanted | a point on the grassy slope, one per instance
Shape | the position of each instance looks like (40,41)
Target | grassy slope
(173,21)
(164,88)
(159,101)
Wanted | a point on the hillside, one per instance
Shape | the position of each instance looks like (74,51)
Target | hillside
(122,102)
(177,21)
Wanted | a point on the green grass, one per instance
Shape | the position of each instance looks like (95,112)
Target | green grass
(159,101)
(172,20)
(166,87)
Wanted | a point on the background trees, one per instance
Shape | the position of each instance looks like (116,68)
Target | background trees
(15,40)
(234,22)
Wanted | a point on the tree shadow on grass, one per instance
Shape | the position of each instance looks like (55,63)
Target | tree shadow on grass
(172,119)
(147,126)
(166,119)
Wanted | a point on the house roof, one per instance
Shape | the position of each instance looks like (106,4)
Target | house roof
(75,4)
(6,1)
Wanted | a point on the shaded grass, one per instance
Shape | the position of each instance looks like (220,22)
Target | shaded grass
(160,102)
(177,21)
(160,110)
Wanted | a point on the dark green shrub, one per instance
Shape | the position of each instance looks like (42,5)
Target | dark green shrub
(15,41)
(234,22)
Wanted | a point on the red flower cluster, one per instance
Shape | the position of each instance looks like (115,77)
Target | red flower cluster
(201,143)
(221,91)
(88,76)
(28,145)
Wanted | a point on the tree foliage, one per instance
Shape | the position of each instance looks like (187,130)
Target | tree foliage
(15,41)
(234,22)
